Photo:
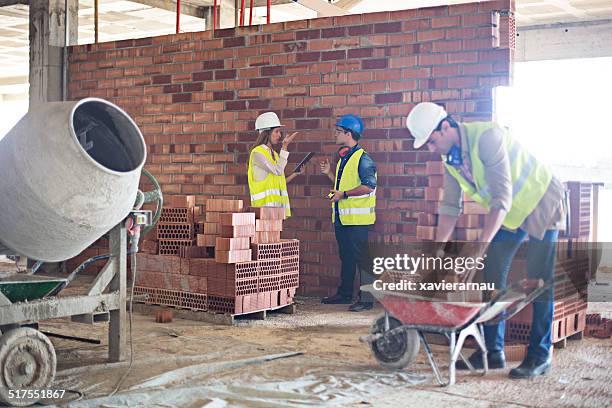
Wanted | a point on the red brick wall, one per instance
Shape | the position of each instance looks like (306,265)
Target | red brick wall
(195,97)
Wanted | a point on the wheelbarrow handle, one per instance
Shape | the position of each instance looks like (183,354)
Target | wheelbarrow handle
(532,288)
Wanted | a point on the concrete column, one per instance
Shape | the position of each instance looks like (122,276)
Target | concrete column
(227,14)
(208,18)
(237,12)
(47,34)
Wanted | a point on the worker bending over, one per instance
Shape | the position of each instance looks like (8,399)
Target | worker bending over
(523,199)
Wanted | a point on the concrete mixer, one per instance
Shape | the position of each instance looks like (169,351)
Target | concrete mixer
(70,174)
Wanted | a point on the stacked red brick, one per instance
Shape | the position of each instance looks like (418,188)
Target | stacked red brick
(580,198)
(269,225)
(212,219)
(175,229)
(260,284)
(271,279)
(572,272)
(598,327)
(569,316)
(470,222)
(236,230)
(232,282)
(171,281)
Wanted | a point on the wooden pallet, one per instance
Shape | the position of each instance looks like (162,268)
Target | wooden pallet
(212,317)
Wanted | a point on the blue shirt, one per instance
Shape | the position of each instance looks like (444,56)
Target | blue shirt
(367,174)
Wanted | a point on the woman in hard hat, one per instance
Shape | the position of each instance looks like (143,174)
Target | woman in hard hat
(267,182)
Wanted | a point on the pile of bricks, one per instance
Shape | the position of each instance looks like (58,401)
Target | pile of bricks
(515,352)
(598,327)
(175,230)
(249,268)
(580,197)
(470,222)
(569,294)
(210,222)
(268,225)
(235,230)
(572,272)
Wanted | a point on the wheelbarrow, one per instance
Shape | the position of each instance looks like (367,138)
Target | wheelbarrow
(22,288)
(395,337)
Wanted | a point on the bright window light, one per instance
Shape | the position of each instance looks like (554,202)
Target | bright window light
(560,111)
(12,111)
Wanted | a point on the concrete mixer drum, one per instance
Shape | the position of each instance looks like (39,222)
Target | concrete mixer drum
(70,174)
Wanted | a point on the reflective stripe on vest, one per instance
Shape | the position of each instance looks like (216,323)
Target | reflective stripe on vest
(354,210)
(530,179)
(272,190)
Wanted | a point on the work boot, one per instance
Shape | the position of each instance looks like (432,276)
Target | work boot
(495,359)
(360,306)
(337,299)
(531,367)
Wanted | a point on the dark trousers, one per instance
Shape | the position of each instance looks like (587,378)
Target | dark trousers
(541,255)
(354,253)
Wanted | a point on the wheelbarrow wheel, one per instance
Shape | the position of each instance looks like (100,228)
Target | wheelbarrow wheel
(394,351)
(27,362)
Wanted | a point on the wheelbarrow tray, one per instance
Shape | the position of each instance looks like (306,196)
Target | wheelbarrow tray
(20,288)
(415,310)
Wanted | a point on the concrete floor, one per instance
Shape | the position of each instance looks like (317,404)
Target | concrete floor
(194,364)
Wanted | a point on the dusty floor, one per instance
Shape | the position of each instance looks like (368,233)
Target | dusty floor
(195,364)
(212,368)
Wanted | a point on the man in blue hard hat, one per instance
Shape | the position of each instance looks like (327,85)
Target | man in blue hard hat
(353,210)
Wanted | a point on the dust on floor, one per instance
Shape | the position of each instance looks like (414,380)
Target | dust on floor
(195,364)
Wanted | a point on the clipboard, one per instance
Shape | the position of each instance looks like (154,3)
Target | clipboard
(303,162)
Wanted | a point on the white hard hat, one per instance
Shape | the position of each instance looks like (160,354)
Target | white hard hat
(267,120)
(423,120)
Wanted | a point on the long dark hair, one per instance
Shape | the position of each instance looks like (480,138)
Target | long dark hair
(263,138)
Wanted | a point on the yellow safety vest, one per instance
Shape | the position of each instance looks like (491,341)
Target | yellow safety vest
(272,190)
(354,210)
(530,179)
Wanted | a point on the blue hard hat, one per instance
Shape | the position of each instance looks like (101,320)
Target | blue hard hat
(351,122)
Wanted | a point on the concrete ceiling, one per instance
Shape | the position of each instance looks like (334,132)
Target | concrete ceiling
(120,19)
(536,12)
